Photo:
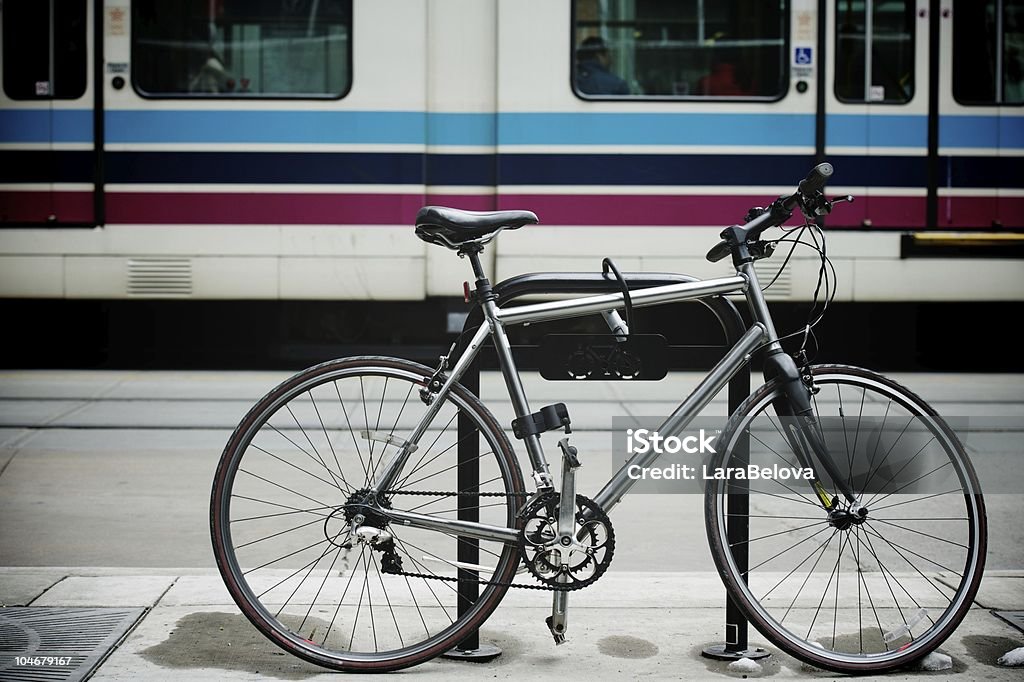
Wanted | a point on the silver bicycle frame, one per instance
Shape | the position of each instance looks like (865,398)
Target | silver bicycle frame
(760,334)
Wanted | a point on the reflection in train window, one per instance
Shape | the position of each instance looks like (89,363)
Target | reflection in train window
(692,49)
(242,48)
(988,51)
(44,55)
(888,27)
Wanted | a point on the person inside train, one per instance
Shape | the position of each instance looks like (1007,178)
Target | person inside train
(212,76)
(593,77)
(721,81)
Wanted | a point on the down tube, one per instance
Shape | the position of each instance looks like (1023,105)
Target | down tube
(703,394)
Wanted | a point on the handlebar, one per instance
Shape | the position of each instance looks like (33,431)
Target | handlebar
(808,187)
(808,192)
(719,251)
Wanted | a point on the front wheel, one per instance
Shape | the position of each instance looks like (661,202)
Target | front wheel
(873,584)
(312,561)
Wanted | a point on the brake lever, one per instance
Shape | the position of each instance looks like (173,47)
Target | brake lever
(815,206)
(820,206)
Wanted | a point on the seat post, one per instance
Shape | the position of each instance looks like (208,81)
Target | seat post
(483,286)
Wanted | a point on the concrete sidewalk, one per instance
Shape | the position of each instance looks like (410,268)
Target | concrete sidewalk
(114,469)
(628,625)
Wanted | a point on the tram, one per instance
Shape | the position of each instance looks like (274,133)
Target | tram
(279,149)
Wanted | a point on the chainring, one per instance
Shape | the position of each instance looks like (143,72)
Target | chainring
(587,558)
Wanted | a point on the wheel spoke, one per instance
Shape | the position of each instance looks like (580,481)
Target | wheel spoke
(384,590)
(327,437)
(446,469)
(348,421)
(416,467)
(278,534)
(788,549)
(294,510)
(303,450)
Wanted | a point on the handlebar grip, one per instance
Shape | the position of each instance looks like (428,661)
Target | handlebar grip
(718,252)
(816,179)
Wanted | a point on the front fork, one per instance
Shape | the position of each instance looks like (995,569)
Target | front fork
(802,430)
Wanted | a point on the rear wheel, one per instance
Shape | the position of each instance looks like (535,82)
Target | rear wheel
(876,584)
(293,479)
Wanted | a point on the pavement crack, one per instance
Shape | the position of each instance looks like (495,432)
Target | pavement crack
(40,595)
(8,462)
(164,593)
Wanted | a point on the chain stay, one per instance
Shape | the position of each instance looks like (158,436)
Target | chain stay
(567,587)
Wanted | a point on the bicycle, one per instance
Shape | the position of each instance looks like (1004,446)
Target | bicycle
(340,527)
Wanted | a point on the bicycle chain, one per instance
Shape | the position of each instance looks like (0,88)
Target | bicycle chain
(497,583)
(452,493)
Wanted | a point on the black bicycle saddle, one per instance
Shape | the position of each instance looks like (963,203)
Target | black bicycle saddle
(453,228)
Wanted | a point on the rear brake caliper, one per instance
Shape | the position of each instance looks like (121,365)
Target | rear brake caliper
(436,381)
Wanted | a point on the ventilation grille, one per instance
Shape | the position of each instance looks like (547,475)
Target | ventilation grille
(766,271)
(160,277)
(51,643)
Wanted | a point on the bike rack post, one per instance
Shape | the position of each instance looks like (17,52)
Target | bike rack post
(736,645)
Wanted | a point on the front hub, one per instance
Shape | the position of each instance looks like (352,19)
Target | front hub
(844,519)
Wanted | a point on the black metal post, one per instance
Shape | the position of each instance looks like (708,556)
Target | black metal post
(468,477)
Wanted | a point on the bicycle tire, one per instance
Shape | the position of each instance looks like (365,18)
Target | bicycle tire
(296,457)
(885,635)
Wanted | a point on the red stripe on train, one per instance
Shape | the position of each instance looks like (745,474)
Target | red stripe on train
(43,206)
(203,208)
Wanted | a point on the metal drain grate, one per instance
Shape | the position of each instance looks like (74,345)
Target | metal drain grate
(50,643)
(1014,618)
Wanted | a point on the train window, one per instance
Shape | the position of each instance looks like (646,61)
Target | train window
(680,49)
(888,27)
(988,51)
(44,54)
(242,48)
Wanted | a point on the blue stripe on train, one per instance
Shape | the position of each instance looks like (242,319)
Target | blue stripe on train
(755,129)
(514,129)
(876,130)
(353,127)
(981,132)
(37,125)
(18,166)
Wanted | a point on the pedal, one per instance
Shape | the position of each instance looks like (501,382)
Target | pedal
(570,453)
(557,630)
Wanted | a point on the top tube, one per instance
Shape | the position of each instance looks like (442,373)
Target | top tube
(575,307)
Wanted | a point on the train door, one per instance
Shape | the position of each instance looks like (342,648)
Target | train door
(876,108)
(46,115)
(981,136)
